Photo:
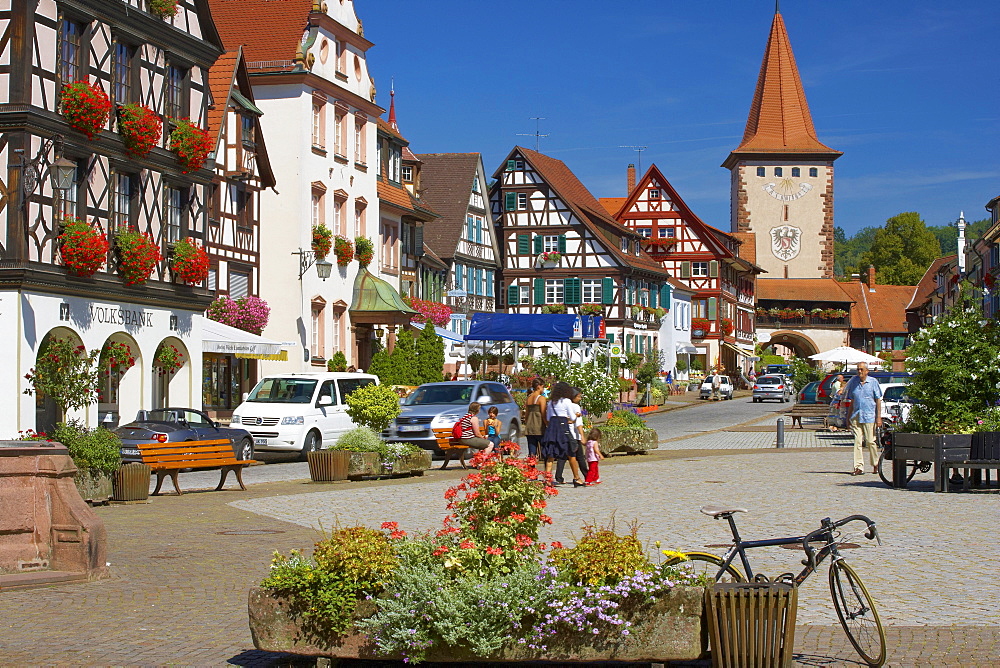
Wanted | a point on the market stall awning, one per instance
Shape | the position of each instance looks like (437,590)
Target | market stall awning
(687,348)
(521,327)
(219,338)
(445,334)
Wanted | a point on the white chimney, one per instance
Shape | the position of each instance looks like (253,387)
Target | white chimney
(961,243)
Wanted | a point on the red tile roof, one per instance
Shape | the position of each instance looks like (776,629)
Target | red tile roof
(612,204)
(803,289)
(779,119)
(928,282)
(269,30)
(887,307)
(221,78)
(446,182)
(385,127)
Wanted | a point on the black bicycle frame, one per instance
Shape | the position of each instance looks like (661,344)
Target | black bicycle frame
(740,547)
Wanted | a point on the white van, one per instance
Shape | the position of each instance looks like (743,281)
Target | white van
(299,412)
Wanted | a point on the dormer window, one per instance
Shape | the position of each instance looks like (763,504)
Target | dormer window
(624,244)
(638,247)
(407,174)
(515,165)
(246,129)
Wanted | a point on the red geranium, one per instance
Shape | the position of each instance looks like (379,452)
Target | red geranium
(344,250)
(86,107)
(322,240)
(163,8)
(137,254)
(190,262)
(84,248)
(140,128)
(191,144)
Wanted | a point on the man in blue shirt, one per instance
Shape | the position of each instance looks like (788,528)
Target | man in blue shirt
(865,413)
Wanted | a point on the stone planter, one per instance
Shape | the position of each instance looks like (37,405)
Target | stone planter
(131,482)
(628,441)
(671,629)
(329,465)
(414,464)
(94,486)
(364,464)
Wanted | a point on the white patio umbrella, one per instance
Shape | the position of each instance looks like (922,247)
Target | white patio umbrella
(846,355)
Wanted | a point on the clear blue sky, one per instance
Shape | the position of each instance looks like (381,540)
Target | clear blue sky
(909,90)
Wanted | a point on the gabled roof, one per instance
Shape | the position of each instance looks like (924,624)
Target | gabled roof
(928,282)
(887,307)
(803,289)
(446,182)
(585,206)
(779,121)
(269,30)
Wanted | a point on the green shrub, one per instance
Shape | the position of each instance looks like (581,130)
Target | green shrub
(373,406)
(359,439)
(602,557)
(91,449)
(624,420)
(337,362)
(357,554)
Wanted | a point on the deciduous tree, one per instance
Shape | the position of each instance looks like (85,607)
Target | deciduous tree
(902,250)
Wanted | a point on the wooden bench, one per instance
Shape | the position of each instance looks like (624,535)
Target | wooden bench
(171,458)
(800,411)
(449,446)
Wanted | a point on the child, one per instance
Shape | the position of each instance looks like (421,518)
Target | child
(493,425)
(593,456)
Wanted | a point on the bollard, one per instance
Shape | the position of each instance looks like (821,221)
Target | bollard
(781,433)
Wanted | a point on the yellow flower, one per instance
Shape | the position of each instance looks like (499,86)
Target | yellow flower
(674,554)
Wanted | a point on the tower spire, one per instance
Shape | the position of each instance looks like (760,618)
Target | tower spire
(392,105)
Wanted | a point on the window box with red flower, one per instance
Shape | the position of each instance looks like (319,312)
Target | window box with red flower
(700,327)
(83,247)
(189,261)
(591,309)
(191,144)
(726,326)
(550,258)
(343,249)
(322,240)
(364,250)
(140,128)
(85,107)
(168,359)
(163,8)
(137,255)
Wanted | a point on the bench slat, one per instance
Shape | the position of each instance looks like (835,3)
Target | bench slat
(170,458)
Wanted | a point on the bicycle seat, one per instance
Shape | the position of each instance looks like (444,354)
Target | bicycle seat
(716,511)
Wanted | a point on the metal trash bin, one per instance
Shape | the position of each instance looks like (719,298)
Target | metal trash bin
(751,624)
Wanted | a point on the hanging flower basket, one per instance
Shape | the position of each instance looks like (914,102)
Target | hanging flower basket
(247,313)
(189,262)
(86,107)
(116,356)
(137,255)
(83,247)
(322,240)
(364,250)
(726,326)
(344,250)
(591,309)
(427,311)
(191,144)
(140,128)
(163,8)
(168,359)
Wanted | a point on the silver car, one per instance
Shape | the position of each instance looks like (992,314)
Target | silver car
(776,387)
(441,405)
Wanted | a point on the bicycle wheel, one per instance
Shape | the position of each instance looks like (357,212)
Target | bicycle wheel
(707,564)
(857,613)
(911,470)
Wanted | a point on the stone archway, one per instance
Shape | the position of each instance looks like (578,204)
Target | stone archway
(47,414)
(120,387)
(166,380)
(802,345)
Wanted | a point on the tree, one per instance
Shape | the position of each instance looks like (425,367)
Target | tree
(373,406)
(402,359)
(947,234)
(430,355)
(803,372)
(902,250)
(381,367)
(66,373)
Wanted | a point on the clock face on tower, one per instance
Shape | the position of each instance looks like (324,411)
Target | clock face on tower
(786,190)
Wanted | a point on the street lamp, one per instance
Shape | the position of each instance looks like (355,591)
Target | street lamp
(307,258)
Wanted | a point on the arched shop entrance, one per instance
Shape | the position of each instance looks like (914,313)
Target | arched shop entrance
(171,367)
(47,413)
(799,344)
(121,375)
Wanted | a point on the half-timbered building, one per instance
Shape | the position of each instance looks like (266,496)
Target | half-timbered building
(703,258)
(134,56)
(232,235)
(562,252)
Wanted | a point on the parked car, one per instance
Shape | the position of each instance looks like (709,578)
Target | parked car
(825,393)
(807,395)
(169,425)
(774,386)
(299,412)
(896,404)
(440,405)
(785,369)
(725,388)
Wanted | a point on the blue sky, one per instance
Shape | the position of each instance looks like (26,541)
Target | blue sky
(909,90)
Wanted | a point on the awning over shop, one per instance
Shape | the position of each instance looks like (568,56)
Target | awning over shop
(687,348)
(219,338)
(445,334)
(739,351)
(522,327)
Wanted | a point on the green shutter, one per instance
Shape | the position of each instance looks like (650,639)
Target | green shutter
(524,244)
(511,165)
(539,291)
(685,269)
(899,343)
(513,296)
(653,294)
(665,294)
(510,201)
(572,289)
(712,308)
(562,244)
(713,269)
(611,337)
(538,244)
(608,291)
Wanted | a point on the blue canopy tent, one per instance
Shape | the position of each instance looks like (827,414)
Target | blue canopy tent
(535,328)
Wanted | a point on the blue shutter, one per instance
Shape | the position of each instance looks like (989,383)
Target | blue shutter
(470,281)
(653,294)
(458,276)
(489,282)
(479,281)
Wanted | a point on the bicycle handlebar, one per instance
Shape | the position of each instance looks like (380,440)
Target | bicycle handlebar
(828,527)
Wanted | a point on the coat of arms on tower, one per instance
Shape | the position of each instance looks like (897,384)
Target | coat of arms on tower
(786,241)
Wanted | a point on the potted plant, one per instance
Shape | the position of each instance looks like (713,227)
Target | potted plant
(163,8)
(554,308)
(591,309)
(322,240)
(364,250)
(248,313)
(137,255)
(96,454)
(343,249)
(191,144)
(168,359)
(140,128)
(83,247)
(189,261)
(85,107)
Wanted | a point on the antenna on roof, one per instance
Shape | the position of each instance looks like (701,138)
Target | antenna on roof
(639,150)
(537,135)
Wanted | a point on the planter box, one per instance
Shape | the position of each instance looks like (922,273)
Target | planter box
(328,465)
(414,464)
(362,464)
(628,441)
(131,482)
(936,448)
(672,629)
(95,487)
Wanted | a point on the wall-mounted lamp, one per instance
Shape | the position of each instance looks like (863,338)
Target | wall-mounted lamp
(307,258)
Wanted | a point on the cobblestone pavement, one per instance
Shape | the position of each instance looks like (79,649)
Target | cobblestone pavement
(181,566)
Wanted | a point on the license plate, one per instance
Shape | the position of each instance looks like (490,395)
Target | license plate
(260,441)
(130,451)
(412,427)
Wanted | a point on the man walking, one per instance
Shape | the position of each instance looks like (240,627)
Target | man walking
(864,415)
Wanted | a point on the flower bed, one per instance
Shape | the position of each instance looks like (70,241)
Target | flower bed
(86,107)
(84,248)
(625,432)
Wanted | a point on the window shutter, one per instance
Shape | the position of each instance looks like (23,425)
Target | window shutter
(419,241)
(513,296)
(899,343)
(511,165)
(712,307)
(539,291)
(572,290)
(628,343)
(458,277)
(524,244)
(611,337)
(538,244)
(239,283)
(510,201)
(685,269)
(653,294)
(562,244)
(608,291)
(713,269)
(665,294)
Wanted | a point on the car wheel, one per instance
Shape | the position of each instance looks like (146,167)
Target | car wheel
(513,433)
(246,450)
(312,444)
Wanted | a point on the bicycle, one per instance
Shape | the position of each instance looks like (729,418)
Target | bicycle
(851,600)
(883,438)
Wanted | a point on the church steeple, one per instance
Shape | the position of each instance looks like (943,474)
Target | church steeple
(392,107)
(779,121)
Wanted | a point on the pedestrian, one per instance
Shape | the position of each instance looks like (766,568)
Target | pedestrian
(557,442)
(468,431)
(447,377)
(534,417)
(838,384)
(716,387)
(577,431)
(493,425)
(864,395)
(352,369)
(594,455)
